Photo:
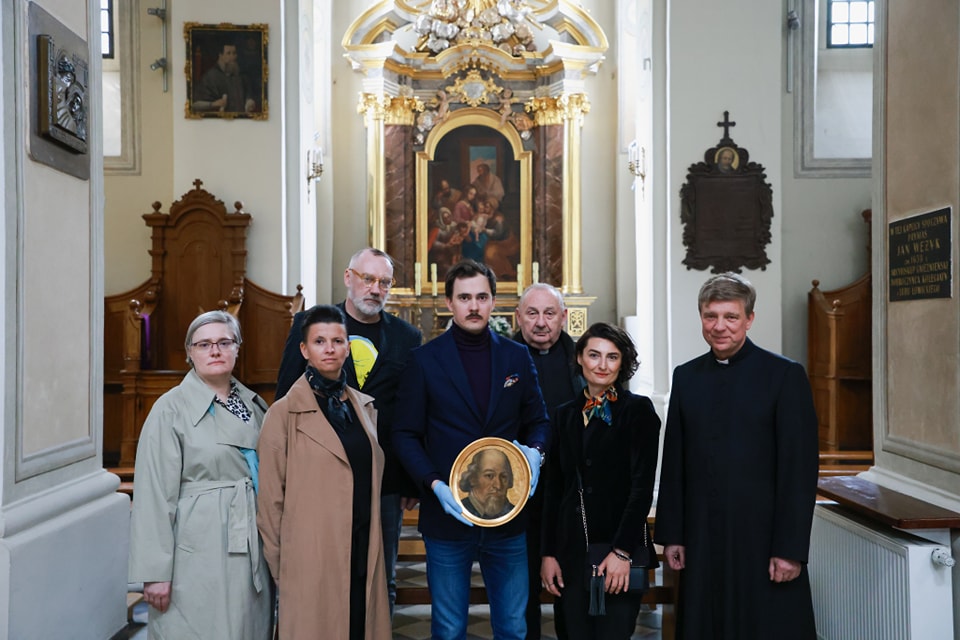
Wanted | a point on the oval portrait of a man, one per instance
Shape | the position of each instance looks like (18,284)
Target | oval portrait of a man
(492,478)
(727,160)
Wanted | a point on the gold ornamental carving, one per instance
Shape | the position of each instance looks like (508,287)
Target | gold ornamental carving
(473,89)
(545,111)
(576,321)
(403,111)
(574,106)
(373,107)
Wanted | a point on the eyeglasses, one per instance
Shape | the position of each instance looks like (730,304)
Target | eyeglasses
(370,280)
(206,345)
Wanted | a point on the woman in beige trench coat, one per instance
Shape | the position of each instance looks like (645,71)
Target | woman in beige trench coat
(319,500)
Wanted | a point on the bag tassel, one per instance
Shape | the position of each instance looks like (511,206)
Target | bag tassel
(598,606)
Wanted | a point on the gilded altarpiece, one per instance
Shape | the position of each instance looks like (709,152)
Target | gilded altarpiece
(473,116)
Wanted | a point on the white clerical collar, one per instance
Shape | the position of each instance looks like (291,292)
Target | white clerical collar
(727,361)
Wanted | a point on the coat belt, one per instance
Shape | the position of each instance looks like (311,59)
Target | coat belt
(242,536)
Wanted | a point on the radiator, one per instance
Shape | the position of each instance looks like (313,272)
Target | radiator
(874,583)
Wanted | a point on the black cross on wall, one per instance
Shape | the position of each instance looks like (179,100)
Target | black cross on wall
(726,124)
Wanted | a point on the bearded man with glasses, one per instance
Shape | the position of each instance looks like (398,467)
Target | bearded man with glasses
(380,344)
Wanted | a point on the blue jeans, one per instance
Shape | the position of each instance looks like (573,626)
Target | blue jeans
(503,564)
(391,522)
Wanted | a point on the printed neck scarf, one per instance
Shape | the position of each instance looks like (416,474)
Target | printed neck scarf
(328,397)
(599,406)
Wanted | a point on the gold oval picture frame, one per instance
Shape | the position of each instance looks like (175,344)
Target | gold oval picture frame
(490,480)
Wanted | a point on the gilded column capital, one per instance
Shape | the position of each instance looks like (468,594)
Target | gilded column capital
(574,106)
(403,110)
(545,111)
(373,107)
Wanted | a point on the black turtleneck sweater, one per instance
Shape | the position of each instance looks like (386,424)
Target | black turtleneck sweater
(474,349)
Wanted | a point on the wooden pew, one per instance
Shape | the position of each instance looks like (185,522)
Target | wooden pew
(844,463)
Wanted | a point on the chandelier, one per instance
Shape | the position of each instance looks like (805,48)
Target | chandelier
(501,23)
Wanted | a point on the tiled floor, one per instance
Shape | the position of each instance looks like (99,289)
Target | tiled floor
(412,622)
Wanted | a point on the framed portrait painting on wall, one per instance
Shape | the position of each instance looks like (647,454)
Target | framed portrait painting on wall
(226,70)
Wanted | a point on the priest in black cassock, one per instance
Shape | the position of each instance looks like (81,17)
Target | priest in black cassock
(738,480)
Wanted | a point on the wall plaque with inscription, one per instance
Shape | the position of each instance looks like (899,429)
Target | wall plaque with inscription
(920,256)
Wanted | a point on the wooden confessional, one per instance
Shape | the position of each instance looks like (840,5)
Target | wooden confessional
(839,362)
(198,256)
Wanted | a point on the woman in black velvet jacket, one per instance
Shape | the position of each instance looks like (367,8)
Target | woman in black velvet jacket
(612,436)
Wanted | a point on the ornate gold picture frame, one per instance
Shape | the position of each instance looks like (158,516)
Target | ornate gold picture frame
(226,70)
(490,479)
(453,154)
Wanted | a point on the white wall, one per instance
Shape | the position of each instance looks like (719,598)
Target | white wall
(236,159)
(723,57)
(63,527)
(128,197)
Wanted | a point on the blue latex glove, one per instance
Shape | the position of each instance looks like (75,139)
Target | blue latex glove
(533,457)
(449,503)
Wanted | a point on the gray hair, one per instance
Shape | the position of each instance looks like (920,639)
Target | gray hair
(542,286)
(374,252)
(211,317)
(469,476)
(728,286)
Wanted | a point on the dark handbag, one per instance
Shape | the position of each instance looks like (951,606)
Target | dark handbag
(639,563)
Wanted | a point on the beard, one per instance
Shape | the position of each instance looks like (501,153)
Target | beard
(492,506)
(231,68)
(368,306)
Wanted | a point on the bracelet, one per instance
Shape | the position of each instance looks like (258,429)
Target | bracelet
(621,555)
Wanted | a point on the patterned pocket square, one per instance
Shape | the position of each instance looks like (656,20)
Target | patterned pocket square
(511,380)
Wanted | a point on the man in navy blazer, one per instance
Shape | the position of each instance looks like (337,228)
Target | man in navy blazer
(467,384)
(380,344)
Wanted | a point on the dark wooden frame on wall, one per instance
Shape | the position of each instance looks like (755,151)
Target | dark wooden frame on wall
(726,207)
(204,43)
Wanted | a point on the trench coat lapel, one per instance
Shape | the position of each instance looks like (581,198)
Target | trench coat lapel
(231,430)
(312,423)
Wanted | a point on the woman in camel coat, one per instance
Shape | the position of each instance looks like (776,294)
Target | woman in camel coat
(319,500)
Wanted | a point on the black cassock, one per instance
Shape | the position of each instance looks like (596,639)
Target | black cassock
(738,486)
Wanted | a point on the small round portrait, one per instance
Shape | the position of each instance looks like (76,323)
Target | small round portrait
(727,160)
(492,477)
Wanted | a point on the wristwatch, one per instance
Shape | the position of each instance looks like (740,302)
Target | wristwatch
(543,456)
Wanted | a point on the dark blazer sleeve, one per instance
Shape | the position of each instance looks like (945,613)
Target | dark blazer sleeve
(554,489)
(534,424)
(383,383)
(797,466)
(642,423)
(292,364)
(669,528)
(410,423)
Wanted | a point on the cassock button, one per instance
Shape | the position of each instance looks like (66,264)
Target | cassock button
(589,490)
(588,462)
